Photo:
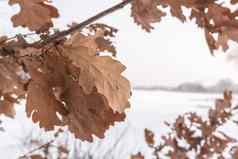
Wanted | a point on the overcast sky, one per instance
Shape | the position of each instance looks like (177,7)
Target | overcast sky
(171,54)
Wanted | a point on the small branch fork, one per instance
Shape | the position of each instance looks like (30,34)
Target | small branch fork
(52,39)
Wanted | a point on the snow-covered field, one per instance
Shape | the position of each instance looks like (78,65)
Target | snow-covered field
(149,109)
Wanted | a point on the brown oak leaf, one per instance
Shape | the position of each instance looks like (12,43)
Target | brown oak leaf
(234,1)
(9,78)
(102,72)
(137,156)
(7,106)
(175,7)
(235,152)
(54,88)
(88,113)
(221,20)
(3,39)
(10,85)
(41,102)
(225,34)
(211,42)
(146,12)
(36,156)
(149,137)
(102,31)
(218,14)
(42,105)
(105,45)
(34,14)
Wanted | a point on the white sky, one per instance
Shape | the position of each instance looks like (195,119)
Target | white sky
(171,54)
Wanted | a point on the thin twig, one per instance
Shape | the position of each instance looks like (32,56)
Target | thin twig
(56,36)
(56,135)
(81,25)
(36,149)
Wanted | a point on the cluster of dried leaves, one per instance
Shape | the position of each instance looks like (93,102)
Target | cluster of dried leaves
(65,82)
(194,136)
(64,77)
(68,83)
(217,19)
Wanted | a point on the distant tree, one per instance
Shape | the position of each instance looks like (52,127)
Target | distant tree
(225,84)
(191,87)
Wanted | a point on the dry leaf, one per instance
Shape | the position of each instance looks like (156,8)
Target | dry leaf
(175,8)
(3,39)
(11,85)
(9,76)
(146,12)
(36,157)
(137,156)
(105,45)
(36,15)
(53,89)
(102,72)
(211,42)
(41,102)
(149,137)
(7,106)
(235,153)
(88,113)
(234,1)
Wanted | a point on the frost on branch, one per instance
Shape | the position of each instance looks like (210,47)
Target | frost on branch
(36,15)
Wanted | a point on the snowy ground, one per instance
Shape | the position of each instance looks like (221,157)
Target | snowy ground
(149,109)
